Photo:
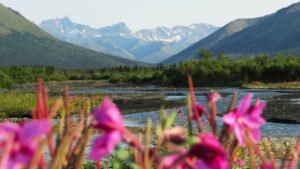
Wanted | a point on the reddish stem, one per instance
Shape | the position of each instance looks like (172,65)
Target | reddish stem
(193,97)
(40,102)
(45,95)
(98,164)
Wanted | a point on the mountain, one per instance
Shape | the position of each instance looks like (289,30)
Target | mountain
(147,45)
(271,34)
(24,43)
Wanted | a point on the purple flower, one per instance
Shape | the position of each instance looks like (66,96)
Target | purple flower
(267,165)
(200,109)
(213,96)
(20,143)
(175,161)
(210,153)
(107,117)
(246,119)
(105,144)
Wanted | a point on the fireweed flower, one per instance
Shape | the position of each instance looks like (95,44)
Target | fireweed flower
(20,143)
(105,144)
(210,153)
(200,109)
(170,161)
(246,120)
(108,118)
(213,96)
(267,165)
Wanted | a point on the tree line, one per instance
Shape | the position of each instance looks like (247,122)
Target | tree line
(208,70)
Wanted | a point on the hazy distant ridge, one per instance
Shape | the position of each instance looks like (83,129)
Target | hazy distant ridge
(24,43)
(149,45)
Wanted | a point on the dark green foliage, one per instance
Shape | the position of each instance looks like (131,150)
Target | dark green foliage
(207,71)
(225,71)
(89,165)
(22,74)
(5,80)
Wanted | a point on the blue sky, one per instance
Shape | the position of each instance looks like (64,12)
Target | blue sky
(146,13)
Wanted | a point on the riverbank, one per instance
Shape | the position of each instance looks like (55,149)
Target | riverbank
(283,105)
(283,108)
(283,85)
(20,104)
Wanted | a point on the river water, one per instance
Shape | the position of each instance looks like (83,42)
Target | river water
(139,119)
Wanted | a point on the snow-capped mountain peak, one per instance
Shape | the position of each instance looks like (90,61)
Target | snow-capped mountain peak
(150,45)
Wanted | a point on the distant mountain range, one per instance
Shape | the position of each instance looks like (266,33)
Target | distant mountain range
(271,34)
(147,45)
(24,43)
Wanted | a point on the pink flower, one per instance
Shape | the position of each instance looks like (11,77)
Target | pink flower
(107,117)
(175,161)
(246,119)
(213,96)
(200,109)
(267,165)
(210,153)
(20,143)
(105,144)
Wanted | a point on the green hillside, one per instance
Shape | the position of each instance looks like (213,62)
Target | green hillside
(273,34)
(23,43)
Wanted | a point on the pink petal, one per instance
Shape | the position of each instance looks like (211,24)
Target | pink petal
(244,104)
(213,97)
(257,111)
(169,160)
(230,118)
(107,115)
(200,164)
(34,129)
(104,145)
(255,135)
(240,134)
(253,122)
(10,127)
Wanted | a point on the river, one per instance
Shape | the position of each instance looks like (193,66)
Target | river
(270,129)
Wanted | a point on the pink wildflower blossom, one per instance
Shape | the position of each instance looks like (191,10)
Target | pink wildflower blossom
(266,165)
(200,109)
(20,143)
(105,144)
(175,161)
(213,96)
(210,153)
(246,119)
(107,117)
